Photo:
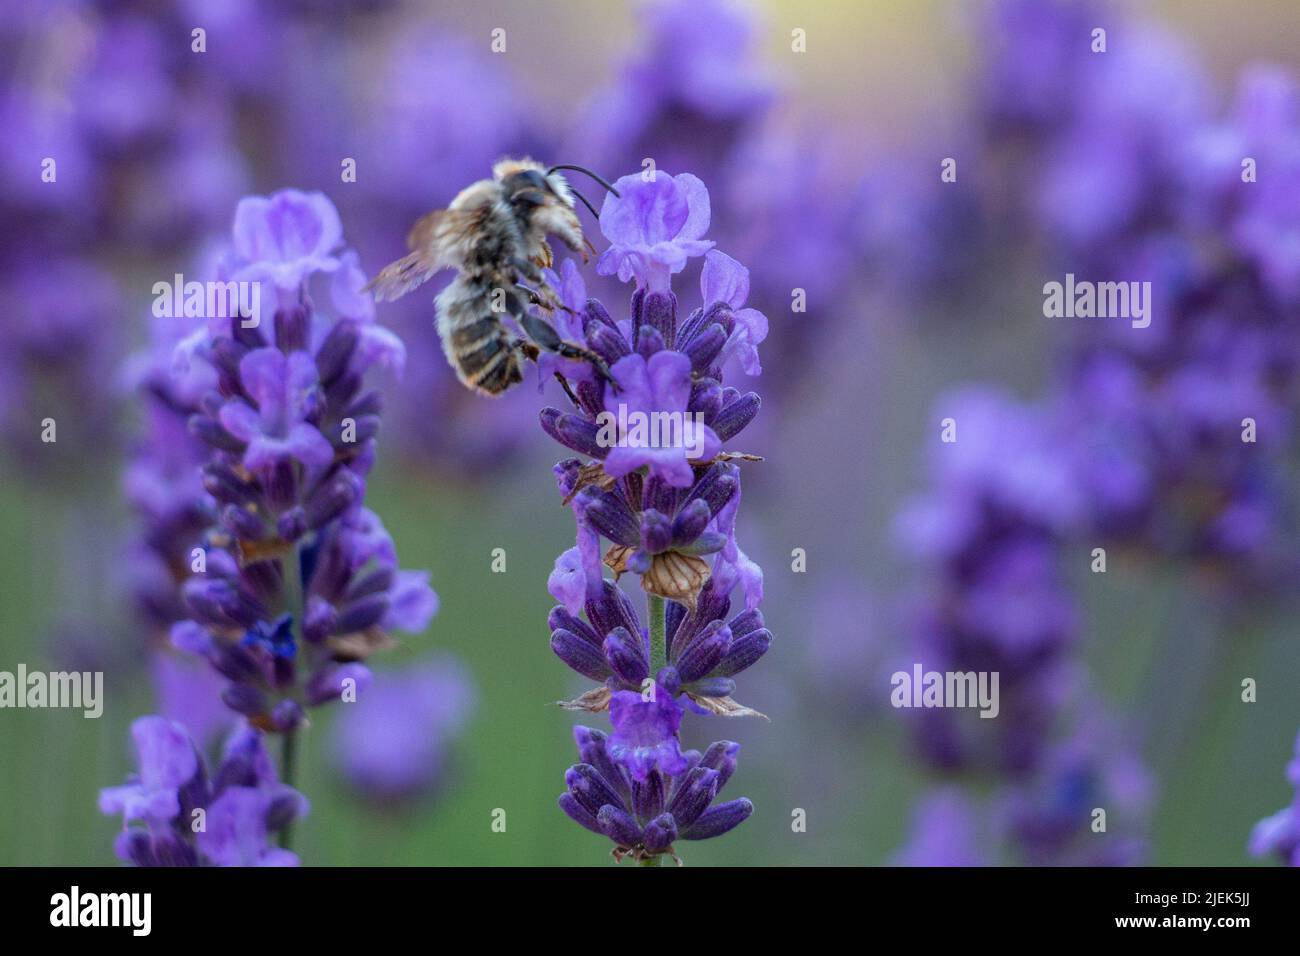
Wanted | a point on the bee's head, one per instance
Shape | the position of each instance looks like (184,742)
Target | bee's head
(527,185)
(542,201)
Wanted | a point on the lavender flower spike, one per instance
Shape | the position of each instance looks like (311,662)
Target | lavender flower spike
(667,502)
(292,582)
(176,813)
(644,816)
(301,581)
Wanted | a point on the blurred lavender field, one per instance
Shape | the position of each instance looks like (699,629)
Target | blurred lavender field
(901,180)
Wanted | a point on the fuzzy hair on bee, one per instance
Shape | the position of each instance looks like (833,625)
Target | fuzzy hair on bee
(494,234)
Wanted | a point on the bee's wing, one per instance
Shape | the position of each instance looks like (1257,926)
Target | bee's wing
(432,241)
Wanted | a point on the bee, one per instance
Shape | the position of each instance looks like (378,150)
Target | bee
(493,233)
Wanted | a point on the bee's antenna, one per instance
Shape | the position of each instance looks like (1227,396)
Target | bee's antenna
(585,202)
(585,171)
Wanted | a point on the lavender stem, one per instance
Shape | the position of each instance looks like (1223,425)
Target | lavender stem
(658,641)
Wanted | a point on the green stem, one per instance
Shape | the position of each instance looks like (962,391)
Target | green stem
(658,640)
(295,605)
(649,860)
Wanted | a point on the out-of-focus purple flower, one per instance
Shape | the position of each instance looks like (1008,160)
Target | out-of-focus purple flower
(1279,834)
(189,694)
(167,761)
(988,537)
(945,832)
(645,816)
(1037,55)
(1138,109)
(1258,213)
(700,56)
(57,314)
(1137,181)
(125,95)
(1049,816)
(655,224)
(193,818)
(236,830)
(438,111)
(1003,460)
(688,92)
(393,743)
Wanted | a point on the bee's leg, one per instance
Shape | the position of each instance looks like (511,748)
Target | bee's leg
(544,298)
(568,390)
(545,336)
(543,295)
(527,349)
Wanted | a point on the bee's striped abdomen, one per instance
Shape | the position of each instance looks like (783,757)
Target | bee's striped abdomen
(477,344)
(491,364)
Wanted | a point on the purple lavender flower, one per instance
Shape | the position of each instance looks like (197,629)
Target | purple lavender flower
(287,237)
(655,224)
(645,732)
(175,813)
(292,582)
(392,744)
(1279,834)
(645,389)
(301,581)
(275,427)
(645,815)
(704,649)
(725,280)
(667,508)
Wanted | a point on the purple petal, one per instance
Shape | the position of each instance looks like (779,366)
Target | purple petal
(723,279)
(412,603)
(568,582)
